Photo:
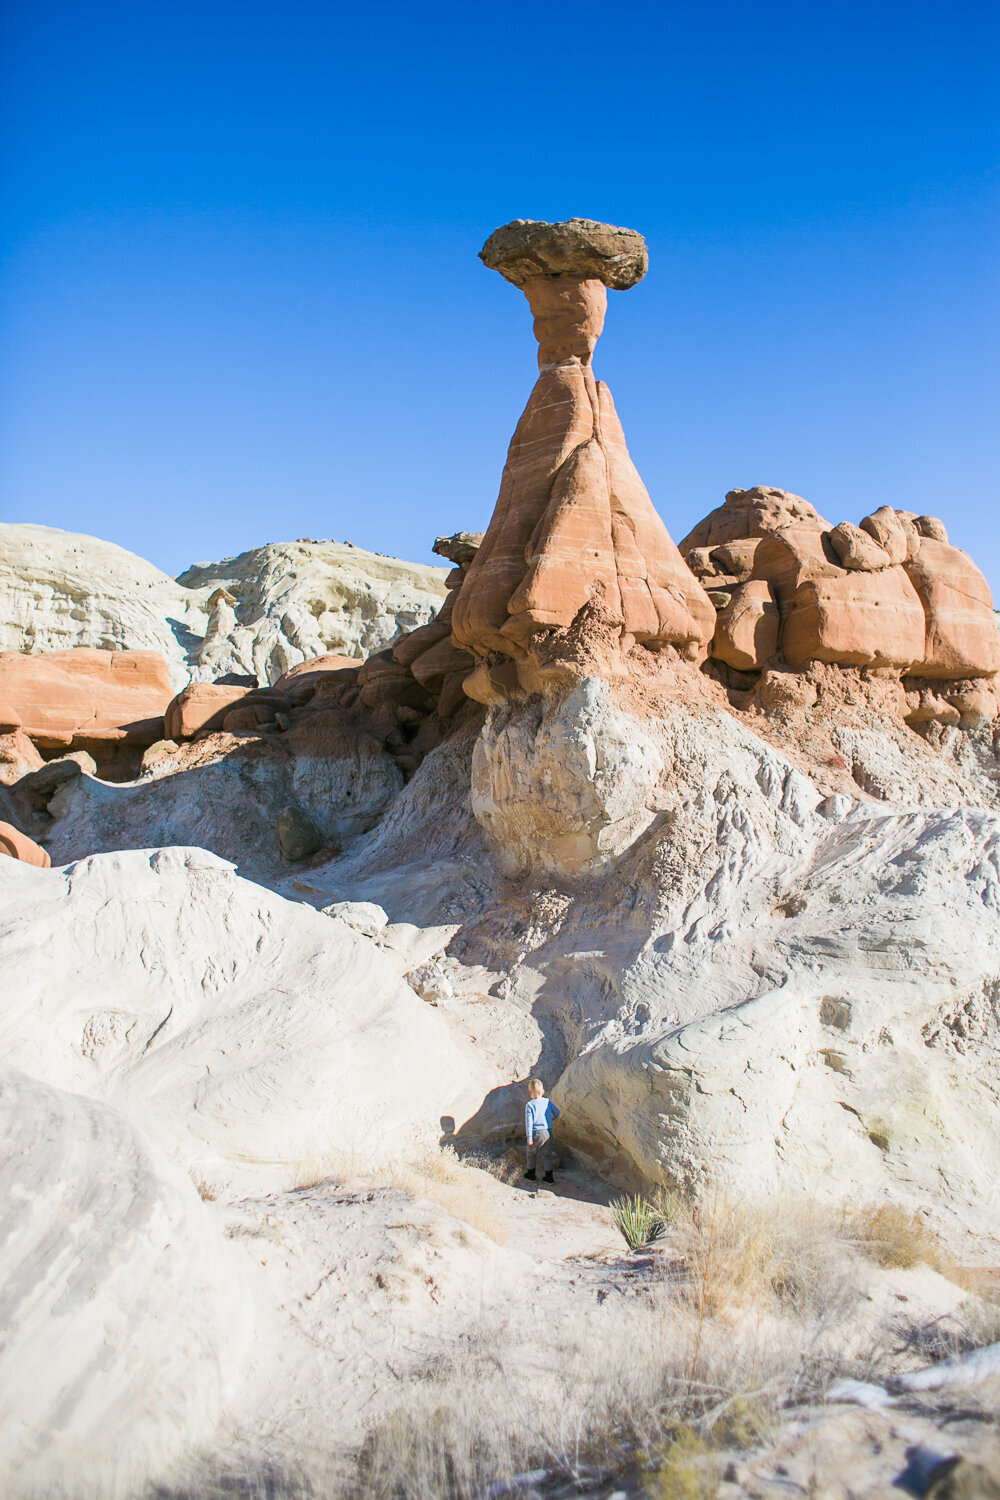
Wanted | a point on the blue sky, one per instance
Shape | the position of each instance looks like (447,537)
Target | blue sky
(242,301)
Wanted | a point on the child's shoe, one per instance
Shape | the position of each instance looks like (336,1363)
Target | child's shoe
(548,1177)
(530,1174)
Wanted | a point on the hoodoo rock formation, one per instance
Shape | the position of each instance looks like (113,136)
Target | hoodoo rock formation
(706,837)
(575,548)
(576,579)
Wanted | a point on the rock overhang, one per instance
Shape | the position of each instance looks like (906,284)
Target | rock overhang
(577,249)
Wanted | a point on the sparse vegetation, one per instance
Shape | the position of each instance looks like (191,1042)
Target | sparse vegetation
(757,1307)
(458,1185)
(639,1222)
(506,1168)
(454,1182)
(893,1237)
(770,1255)
(685,1467)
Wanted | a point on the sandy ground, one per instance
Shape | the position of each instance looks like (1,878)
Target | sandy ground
(366,1291)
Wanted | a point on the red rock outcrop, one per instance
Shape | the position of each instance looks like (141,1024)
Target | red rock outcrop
(574,536)
(207,707)
(201,705)
(84,697)
(961,638)
(17,845)
(748,515)
(317,669)
(847,616)
(18,757)
(890,594)
(429,652)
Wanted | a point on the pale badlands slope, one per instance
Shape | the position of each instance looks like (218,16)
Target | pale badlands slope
(776,991)
(280,603)
(788,984)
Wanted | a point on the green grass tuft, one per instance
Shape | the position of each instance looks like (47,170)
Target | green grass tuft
(640,1222)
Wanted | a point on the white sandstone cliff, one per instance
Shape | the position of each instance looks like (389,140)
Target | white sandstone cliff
(257,614)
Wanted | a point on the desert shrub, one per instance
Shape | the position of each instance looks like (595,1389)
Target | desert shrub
(661,1386)
(638,1221)
(894,1237)
(667,1205)
(421,1452)
(684,1467)
(772,1253)
(633,1387)
(745,1421)
(506,1168)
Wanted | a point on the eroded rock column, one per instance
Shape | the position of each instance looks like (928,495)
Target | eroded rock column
(577,586)
(576,568)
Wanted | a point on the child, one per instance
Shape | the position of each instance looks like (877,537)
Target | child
(539,1114)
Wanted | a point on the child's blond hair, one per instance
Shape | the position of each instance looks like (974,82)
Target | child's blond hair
(535,1085)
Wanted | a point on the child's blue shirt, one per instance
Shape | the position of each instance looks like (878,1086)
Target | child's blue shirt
(538,1115)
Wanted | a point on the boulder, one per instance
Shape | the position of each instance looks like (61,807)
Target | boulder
(886,528)
(832,614)
(201,705)
(576,250)
(298,836)
(460,548)
(18,756)
(734,559)
(439,661)
(85,696)
(746,631)
(857,550)
(961,629)
(409,647)
(753,513)
(17,845)
(41,786)
(383,681)
(318,669)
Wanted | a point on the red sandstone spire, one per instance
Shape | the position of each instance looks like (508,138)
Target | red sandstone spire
(574,537)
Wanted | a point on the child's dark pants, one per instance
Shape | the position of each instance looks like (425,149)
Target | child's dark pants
(542,1144)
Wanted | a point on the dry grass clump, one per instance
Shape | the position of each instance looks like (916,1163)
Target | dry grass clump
(506,1168)
(331,1166)
(442,1177)
(788,1255)
(895,1238)
(658,1388)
